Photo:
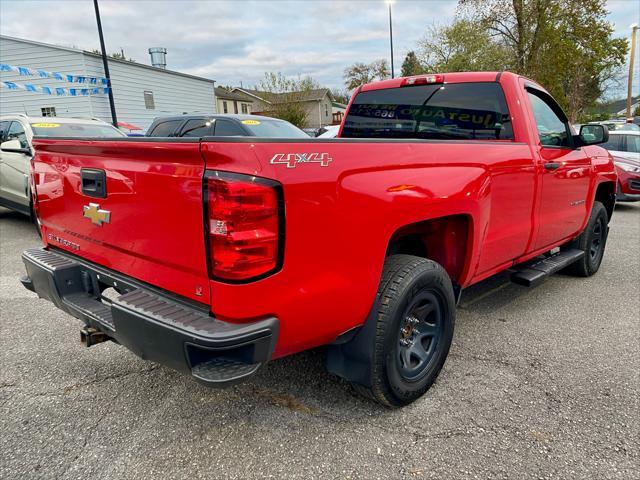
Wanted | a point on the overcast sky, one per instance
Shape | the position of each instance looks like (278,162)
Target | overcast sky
(237,41)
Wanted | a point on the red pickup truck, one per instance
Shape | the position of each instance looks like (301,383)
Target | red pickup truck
(215,255)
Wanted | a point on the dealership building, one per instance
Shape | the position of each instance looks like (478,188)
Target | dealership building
(141,92)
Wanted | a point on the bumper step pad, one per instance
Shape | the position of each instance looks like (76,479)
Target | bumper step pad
(222,369)
(532,273)
(155,326)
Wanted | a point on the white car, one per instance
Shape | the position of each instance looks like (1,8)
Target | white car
(330,131)
(16,134)
(624,144)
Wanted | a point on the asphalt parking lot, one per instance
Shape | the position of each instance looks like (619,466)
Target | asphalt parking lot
(540,383)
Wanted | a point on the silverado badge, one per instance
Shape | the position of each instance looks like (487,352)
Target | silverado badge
(97,216)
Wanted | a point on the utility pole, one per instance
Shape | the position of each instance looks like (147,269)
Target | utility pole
(634,29)
(105,63)
(390,2)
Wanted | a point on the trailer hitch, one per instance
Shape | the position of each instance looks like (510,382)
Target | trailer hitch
(91,336)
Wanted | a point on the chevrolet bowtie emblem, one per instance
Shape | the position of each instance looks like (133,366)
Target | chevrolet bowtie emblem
(97,216)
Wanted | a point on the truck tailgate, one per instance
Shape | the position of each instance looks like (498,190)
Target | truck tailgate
(148,224)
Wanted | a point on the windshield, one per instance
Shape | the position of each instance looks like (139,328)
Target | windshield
(455,111)
(53,129)
(273,129)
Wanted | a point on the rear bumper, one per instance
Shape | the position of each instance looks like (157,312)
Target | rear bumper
(152,324)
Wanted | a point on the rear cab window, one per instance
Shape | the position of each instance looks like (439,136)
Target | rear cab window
(457,111)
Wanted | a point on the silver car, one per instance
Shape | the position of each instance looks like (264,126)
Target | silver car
(16,134)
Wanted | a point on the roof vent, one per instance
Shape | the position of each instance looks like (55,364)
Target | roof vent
(158,57)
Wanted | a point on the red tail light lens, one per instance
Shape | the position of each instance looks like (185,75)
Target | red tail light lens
(422,80)
(243,226)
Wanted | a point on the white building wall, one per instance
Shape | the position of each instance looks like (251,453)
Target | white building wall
(24,54)
(173,93)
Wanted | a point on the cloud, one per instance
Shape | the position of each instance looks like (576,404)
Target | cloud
(234,41)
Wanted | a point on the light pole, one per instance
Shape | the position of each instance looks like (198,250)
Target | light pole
(634,29)
(389,3)
(105,63)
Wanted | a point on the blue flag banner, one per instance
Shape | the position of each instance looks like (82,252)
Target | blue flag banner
(57,91)
(31,72)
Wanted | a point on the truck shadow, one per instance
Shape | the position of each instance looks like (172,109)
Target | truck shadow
(301,383)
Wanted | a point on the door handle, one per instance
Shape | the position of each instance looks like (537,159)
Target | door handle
(552,165)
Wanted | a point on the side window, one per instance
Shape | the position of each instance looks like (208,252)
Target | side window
(165,129)
(552,130)
(197,127)
(614,143)
(225,128)
(633,143)
(225,108)
(16,132)
(4,126)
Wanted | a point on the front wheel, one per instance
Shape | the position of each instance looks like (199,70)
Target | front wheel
(414,329)
(592,241)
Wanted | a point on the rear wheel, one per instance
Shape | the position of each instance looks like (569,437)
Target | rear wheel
(592,241)
(414,329)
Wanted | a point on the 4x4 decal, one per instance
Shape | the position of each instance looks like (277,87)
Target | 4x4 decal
(293,159)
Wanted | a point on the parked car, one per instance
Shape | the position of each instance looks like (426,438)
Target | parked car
(616,125)
(330,131)
(628,171)
(624,144)
(16,135)
(219,256)
(226,125)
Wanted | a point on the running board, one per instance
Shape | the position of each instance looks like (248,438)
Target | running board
(532,273)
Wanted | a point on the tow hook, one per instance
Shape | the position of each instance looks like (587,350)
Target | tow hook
(90,336)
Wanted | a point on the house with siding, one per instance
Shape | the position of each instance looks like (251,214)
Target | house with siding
(233,102)
(141,92)
(316,103)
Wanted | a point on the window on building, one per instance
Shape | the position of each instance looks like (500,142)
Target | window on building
(245,108)
(48,111)
(326,110)
(225,128)
(225,108)
(197,127)
(149,102)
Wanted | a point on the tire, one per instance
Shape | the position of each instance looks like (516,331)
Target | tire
(414,329)
(592,241)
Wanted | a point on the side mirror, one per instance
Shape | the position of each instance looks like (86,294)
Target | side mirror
(593,134)
(14,146)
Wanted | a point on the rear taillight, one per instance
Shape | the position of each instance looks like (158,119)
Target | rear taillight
(244,226)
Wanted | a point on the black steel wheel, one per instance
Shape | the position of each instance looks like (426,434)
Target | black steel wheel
(421,330)
(414,329)
(592,241)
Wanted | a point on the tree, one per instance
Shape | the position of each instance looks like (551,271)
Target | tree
(340,95)
(361,73)
(116,55)
(566,45)
(461,47)
(285,96)
(411,65)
